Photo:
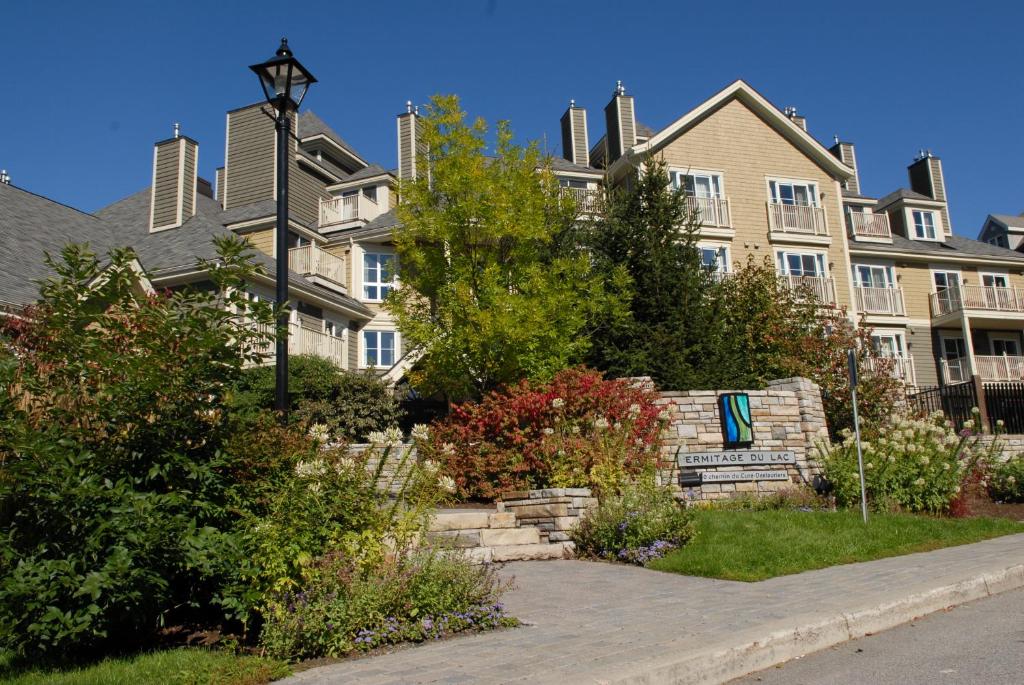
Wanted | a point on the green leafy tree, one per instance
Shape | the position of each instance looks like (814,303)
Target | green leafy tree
(673,324)
(494,285)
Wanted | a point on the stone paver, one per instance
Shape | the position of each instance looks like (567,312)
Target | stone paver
(602,623)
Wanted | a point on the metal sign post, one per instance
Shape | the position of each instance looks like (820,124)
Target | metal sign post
(851,360)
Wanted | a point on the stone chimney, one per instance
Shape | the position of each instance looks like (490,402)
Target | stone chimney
(800,121)
(411,150)
(925,175)
(575,144)
(173,195)
(620,124)
(845,153)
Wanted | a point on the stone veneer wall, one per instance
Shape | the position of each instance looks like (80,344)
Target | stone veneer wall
(788,415)
(392,465)
(1013,443)
(554,511)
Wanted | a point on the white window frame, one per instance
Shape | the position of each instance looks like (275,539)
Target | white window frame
(897,336)
(722,261)
(890,275)
(715,178)
(994,275)
(775,196)
(364,350)
(935,271)
(820,258)
(935,224)
(951,336)
(380,285)
(1004,338)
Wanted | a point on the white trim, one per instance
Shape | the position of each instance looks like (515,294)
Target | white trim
(378,284)
(224,176)
(816,195)
(322,137)
(179,209)
(152,189)
(725,250)
(195,180)
(362,349)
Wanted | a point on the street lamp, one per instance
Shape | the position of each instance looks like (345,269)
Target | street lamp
(285,82)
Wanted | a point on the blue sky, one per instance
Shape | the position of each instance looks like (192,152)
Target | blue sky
(95,84)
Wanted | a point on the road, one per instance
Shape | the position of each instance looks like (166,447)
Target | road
(980,642)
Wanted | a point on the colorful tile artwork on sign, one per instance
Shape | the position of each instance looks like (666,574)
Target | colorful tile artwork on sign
(737,426)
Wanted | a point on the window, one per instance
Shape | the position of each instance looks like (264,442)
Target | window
(888,344)
(946,280)
(953,348)
(794,193)
(698,184)
(715,259)
(296,240)
(868,276)
(370,193)
(801,263)
(378,276)
(994,280)
(331,329)
(1005,346)
(379,348)
(572,183)
(924,224)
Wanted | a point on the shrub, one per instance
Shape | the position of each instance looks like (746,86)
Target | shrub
(578,430)
(342,605)
(913,465)
(111,489)
(351,405)
(1006,480)
(641,523)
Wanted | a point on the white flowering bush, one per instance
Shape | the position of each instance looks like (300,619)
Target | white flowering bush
(1006,480)
(916,465)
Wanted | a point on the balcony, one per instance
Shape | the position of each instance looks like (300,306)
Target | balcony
(305,340)
(978,298)
(310,260)
(588,200)
(879,300)
(348,208)
(871,226)
(991,368)
(901,368)
(797,219)
(821,288)
(710,211)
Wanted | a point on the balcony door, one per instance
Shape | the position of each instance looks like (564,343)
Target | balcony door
(997,291)
(947,285)
(868,276)
(1005,347)
(794,193)
(804,264)
(888,345)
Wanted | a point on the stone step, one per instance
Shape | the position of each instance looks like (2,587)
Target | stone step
(509,536)
(558,550)
(456,538)
(502,519)
(461,519)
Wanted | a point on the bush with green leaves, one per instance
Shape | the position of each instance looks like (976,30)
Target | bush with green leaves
(342,605)
(351,405)
(640,523)
(913,465)
(1006,480)
(112,493)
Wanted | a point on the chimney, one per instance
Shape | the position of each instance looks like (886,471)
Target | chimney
(218,186)
(5,178)
(620,123)
(925,175)
(844,152)
(173,195)
(411,151)
(575,144)
(795,118)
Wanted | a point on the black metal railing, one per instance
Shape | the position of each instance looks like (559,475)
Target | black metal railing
(1005,402)
(955,401)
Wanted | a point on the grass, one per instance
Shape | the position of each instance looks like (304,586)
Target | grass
(754,545)
(187,666)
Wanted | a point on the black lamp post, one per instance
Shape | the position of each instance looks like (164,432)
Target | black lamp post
(284,82)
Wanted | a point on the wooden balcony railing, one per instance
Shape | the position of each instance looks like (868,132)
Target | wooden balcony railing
(588,200)
(337,210)
(863,225)
(304,340)
(711,211)
(879,300)
(979,297)
(900,367)
(802,219)
(310,260)
(823,289)
(954,370)
(1000,367)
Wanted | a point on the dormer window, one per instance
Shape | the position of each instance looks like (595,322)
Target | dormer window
(370,193)
(924,224)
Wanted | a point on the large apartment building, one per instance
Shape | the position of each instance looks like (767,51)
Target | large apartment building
(944,307)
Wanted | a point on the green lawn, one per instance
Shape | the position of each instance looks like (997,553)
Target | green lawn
(754,545)
(169,667)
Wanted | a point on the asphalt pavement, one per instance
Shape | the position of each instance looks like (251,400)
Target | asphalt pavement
(978,642)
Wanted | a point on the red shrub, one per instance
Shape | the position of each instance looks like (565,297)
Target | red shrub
(578,430)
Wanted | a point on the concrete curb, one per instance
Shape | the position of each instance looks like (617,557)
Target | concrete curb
(766,646)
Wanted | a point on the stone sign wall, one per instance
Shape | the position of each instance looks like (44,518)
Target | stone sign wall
(788,420)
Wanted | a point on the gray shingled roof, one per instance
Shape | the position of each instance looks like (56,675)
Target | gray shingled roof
(311,125)
(955,246)
(1010,220)
(903,194)
(562,164)
(31,225)
(387,220)
(644,131)
(368,172)
(253,210)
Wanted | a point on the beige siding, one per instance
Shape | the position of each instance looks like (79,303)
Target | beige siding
(922,342)
(916,281)
(262,240)
(354,344)
(747,151)
(249,167)
(579,123)
(628,122)
(406,151)
(165,184)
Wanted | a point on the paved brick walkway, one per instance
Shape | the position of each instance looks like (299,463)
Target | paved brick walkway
(603,623)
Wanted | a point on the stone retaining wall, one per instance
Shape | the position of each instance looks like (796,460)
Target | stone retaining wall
(395,461)
(554,511)
(1013,443)
(788,415)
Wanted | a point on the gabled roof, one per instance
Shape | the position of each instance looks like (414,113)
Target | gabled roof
(368,172)
(1009,221)
(954,247)
(381,227)
(903,194)
(310,125)
(742,91)
(31,225)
